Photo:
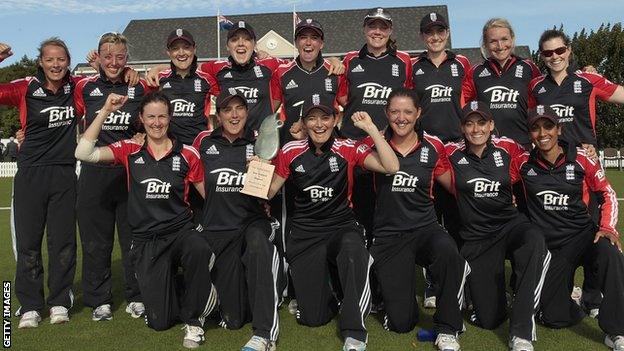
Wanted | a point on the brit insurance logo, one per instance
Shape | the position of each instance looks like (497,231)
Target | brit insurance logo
(183,108)
(439,93)
(118,120)
(403,182)
(502,97)
(484,187)
(228,180)
(156,188)
(374,94)
(251,94)
(554,201)
(564,112)
(59,116)
(319,193)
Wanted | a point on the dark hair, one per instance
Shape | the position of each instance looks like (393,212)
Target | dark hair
(553,34)
(156,96)
(403,92)
(54,41)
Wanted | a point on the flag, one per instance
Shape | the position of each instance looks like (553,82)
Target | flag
(296,18)
(225,23)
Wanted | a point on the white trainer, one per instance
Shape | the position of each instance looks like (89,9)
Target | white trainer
(257,343)
(447,342)
(135,309)
(59,315)
(102,313)
(193,336)
(292,306)
(352,344)
(577,294)
(594,312)
(615,342)
(29,319)
(430,302)
(520,344)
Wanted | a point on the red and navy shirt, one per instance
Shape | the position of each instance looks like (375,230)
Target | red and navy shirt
(368,82)
(91,95)
(441,93)
(323,182)
(293,85)
(558,194)
(225,167)
(505,90)
(253,80)
(158,189)
(483,186)
(48,119)
(574,101)
(190,100)
(405,199)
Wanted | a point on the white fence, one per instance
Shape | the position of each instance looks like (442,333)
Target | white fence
(8,169)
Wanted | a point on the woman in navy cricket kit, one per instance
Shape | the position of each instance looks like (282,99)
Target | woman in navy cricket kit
(44,188)
(494,230)
(326,249)
(557,178)
(160,172)
(406,229)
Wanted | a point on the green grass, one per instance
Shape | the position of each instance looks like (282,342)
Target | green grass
(125,333)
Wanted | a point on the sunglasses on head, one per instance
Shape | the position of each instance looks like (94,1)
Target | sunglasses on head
(559,51)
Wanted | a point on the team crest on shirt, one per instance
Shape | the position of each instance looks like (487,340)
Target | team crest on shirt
(131,91)
(498,159)
(395,70)
(328,85)
(175,163)
(198,87)
(578,88)
(519,71)
(249,151)
(333,164)
(454,70)
(258,72)
(66,89)
(424,154)
(570,172)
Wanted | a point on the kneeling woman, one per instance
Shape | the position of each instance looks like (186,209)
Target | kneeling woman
(494,230)
(406,227)
(558,177)
(326,248)
(163,238)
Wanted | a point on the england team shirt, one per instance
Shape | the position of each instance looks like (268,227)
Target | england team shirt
(504,89)
(405,199)
(368,82)
(253,80)
(574,101)
(225,167)
(158,189)
(323,182)
(483,186)
(48,120)
(441,93)
(293,85)
(558,194)
(190,100)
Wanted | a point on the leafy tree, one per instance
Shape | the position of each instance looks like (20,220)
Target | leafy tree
(9,117)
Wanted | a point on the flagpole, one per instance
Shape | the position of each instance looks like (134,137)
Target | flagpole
(293,31)
(218,34)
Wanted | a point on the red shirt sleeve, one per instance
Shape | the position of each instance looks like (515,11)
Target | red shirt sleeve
(11,94)
(535,72)
(408,69)
(360,152)
(282,164)
(79,99)
(516,165)
(443,165)
(122,149)
(469,91)
(196,168)
(276,85)
(466,80)
(343,84)
(603,88)
(597,182)
(532,101)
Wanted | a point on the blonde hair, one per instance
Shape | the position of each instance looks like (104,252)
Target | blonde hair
(496,22)
(112,38)
(54,41)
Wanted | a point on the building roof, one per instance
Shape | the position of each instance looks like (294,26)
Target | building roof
(343,30)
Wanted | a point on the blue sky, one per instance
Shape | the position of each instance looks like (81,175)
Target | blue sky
(25,23)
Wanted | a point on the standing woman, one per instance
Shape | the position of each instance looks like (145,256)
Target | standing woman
(326,249)
(502,80)
(494,230)
(102,190)
(406,228)
(557,177)
(160,172)
(44,188)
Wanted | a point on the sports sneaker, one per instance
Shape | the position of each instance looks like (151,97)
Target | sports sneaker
(577,294)
(102,313)
(29,319)
(257,343)
(193,336)
(593,313)
(615,342)
(292,306)
(58,315)
(519,344)
(136,309)
(447,342)
(430,302)
(352,344)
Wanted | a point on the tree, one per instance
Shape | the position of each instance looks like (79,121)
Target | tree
(9,117)
(603,49)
